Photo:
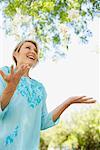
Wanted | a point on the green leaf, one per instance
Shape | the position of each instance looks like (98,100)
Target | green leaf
(56,39)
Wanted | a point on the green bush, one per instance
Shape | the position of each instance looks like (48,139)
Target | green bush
(81,132)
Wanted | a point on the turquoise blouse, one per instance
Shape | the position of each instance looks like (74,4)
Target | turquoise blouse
(25,115)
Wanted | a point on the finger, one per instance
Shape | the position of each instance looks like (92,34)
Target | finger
(85,99)
(22,70)
(79,97)
(92,101)
(24,66)
(89,100)
(82,96)
(3,74)
(12,69)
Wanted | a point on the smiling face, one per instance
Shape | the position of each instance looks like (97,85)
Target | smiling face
(27,54)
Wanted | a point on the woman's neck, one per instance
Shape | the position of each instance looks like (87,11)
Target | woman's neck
(26,74)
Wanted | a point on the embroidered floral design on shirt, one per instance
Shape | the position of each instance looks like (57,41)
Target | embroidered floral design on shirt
(10,138)
(33,91)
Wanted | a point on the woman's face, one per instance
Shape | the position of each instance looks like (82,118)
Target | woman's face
(28,54)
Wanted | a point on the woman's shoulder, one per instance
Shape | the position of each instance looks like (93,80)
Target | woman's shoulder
(5,69)
(37,82)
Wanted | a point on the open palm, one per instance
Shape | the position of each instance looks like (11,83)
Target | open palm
(14,77)
(81,99)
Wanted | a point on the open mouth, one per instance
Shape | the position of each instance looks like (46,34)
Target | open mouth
(31,57)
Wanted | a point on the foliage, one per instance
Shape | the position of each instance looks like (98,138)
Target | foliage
(80,132)
(49,22)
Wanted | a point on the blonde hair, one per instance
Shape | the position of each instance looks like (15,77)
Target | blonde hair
(18,47)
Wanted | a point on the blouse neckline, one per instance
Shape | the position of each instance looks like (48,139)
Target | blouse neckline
(26,77)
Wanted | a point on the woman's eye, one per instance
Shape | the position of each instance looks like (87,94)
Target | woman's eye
(34,49)
(28,47)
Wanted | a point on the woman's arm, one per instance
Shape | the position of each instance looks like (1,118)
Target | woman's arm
(76,99)
(12,81)
(6,95)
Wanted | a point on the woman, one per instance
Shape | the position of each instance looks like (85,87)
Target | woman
(23,102)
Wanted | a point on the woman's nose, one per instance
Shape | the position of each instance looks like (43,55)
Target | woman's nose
(32,53)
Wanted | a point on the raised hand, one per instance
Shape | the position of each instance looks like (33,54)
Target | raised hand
(71,100)
(81,99)
(14,77)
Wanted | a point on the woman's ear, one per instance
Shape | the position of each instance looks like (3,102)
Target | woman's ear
(15,54)
(14,57)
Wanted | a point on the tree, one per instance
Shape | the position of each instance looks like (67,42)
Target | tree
(87,129)
(80,132)
(55,137)
(49,22)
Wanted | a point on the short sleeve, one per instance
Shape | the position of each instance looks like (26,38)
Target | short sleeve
(2,87)
(46,118)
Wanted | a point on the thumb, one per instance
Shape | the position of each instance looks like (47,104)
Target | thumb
(3,74)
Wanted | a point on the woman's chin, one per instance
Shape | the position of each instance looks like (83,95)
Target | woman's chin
(32,65)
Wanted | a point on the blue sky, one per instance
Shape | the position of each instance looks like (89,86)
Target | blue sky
(77,75)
